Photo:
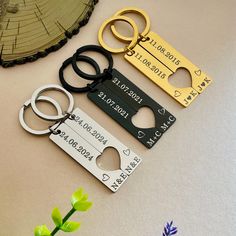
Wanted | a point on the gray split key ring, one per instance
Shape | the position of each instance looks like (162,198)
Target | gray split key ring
(42,89)
(27,104)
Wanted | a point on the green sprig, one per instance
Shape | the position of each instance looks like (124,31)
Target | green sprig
(79,203)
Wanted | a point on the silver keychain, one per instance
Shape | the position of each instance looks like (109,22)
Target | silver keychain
(82,138)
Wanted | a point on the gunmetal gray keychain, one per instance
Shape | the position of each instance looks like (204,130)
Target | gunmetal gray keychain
(82,138)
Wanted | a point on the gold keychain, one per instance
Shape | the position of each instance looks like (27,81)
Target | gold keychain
(155,58)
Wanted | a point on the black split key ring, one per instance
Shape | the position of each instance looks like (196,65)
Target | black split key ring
(67,62)
(92,48)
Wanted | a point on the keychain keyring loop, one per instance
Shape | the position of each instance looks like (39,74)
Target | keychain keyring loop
(67,62)
(44,88)
(112,20)
(93,48)
(132,10)
(27,105)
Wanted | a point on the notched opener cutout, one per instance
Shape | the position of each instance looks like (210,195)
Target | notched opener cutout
(83,139)
(155,58)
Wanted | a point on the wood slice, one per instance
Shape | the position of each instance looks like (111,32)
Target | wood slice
(30,29)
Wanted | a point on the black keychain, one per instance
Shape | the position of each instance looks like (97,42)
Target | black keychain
(118,96)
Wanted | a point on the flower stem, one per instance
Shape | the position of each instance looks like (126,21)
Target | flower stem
(68,215)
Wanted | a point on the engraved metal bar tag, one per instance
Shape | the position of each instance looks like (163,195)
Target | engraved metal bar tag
(121,100)
(158,61)
(154,57)
(85,140)
(168,55)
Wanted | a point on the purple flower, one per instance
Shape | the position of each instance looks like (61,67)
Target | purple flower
(169,229)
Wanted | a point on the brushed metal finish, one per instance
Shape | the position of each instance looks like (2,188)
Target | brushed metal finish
(44,88)
(27,104)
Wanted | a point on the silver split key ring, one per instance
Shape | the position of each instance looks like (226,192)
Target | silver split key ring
(42,89)
(27,105)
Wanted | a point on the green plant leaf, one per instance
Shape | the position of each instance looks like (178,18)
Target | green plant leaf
(42,231)
(56,216)
(82,206)
(70,226)
(77,196)
(84,198)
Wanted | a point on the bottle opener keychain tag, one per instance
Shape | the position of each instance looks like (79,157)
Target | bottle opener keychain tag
(118,96)
(155,58)
(82,138)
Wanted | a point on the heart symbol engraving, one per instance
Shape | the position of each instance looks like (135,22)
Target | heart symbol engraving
(189,97)
(109,159)
(141,134)
(126,152)
(162,111)
(177,93)
(198,72)
(144,118)
(203,84)
(105,177)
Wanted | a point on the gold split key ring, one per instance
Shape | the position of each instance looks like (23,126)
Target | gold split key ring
(154,57)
